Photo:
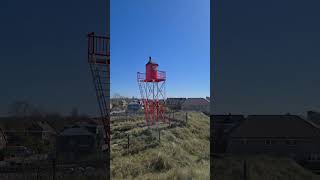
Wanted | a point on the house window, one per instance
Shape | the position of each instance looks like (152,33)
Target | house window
(268,142)
(314,157)
(291,142)
(244,141)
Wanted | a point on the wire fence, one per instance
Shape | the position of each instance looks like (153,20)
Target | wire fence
(54,170)
(41,164)
(29,157)
(133,135)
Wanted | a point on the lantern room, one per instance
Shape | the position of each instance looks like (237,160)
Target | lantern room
(152,73)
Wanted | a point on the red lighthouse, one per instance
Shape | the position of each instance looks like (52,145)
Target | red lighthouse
(151,71)
(152,89)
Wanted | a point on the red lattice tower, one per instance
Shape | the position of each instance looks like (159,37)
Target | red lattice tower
(99,61)
(153,93)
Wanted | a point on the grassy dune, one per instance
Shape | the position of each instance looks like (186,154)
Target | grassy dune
(183,151)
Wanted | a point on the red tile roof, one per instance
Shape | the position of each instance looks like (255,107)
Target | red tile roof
(196,101)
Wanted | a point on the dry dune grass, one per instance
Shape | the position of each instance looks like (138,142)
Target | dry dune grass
(183,152)
(260,167)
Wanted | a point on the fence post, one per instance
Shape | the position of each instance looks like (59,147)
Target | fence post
(186,117)
(159,135)
(38,167)
(128,142)
(54,169)
(126,115)
(245,176)
(38,172)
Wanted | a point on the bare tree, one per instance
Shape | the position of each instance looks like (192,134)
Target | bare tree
(116,96)
(21,109)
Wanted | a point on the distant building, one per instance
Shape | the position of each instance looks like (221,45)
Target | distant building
(196,104)
(91,126)
(119,104)
(17,151)
(49,134)
(175,103)
(13,137)
(134,106)
(75,141)
(285,135)
(41,130)
(34,130)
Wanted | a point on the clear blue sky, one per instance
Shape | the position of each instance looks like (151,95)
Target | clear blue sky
(175,33)
(43,49)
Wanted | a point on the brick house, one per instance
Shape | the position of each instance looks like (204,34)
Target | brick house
(75,141)
(196,104)
(41,130)
(285,135)
(175,103)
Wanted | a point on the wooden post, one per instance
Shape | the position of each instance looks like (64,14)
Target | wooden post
(159,135)
(23,167)
(128,146)
(38,172)
(38,157)
(126,115)
(54,168)
(186,117)
(245,176)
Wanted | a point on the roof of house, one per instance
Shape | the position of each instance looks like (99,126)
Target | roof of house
(273,126)
(45,126)
(75,131)
(34,125)
(97,120)
(228,118)
(195,101)
(175,98)
(133,103)
(88,123)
